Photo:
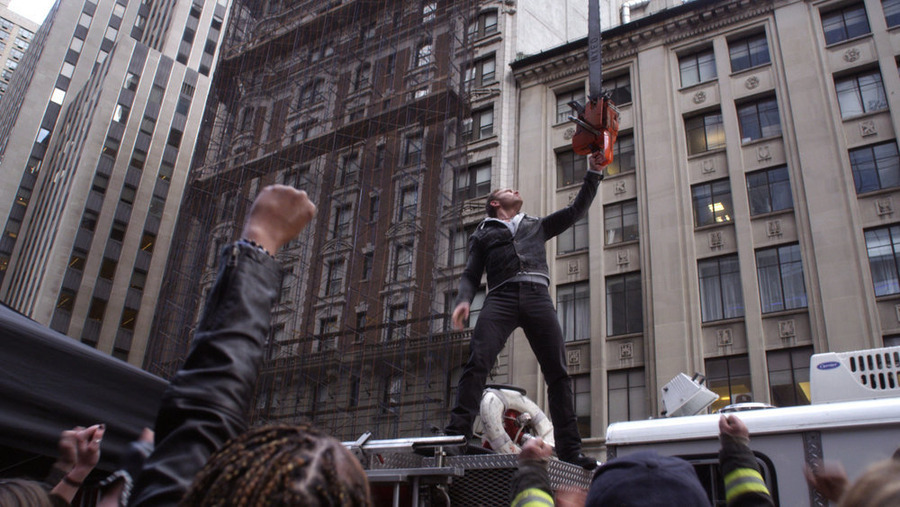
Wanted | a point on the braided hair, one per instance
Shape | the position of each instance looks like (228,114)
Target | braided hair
(281,465)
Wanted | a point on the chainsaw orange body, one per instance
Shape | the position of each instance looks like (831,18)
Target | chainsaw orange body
(597,129)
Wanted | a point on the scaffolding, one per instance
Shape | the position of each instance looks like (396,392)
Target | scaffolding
(360,103)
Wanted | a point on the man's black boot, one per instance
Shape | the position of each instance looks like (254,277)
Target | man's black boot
(585,462)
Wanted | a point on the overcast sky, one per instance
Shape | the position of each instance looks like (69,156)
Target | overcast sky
(35,10)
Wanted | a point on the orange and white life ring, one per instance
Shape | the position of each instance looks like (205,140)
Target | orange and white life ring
(495,403)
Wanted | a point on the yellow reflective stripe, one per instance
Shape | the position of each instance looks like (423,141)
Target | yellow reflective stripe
(742,473)
(533,497)
(743,481)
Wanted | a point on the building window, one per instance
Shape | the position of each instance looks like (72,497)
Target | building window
(424,55)
(627,399)
(721,296)
(341,221)
(789,376)
(581,384)
(403,261)
(78,259)
(326,338)
(704,133)
(729,377)
(480,125)
(97,309)
(412,155)
(409,200)
(481,73)
(623,156)
(138,279)
(712,202)
(89,220)
(129,316)
(619,88)
(483,25)
(697,67)
(769,190)
(620,222)
(875,167)
(363,76)
(311,93)
(117,233)
(860,93)
(148,240)
(459,245)
(66,300)
(883,247)
(748,52)
(780,272)
(334,278)
(108,268)
(891,12)
(476,306)
(570,168)
(473,181)
(574,238)
(573,308)
(563,109)
(845,23)
(759,119)
(368,265)
(397,327)
(624,304)
(350,169)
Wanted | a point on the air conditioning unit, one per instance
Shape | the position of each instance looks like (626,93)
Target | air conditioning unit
(858,375)
(684,395)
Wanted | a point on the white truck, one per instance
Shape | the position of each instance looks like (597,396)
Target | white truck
(854,418)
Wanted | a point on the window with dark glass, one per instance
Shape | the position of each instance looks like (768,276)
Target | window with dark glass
(148,240)
(619,88)
(403,261)
(875,167)
(459,245)
(77,259)
(473,181)
(368,265)
(883,248)
(581,385)
(627,395)
(341,221)
(769,190)
(623,156)
(334,278)
(697,67)
(409,200)
(845,23)
(413,152)
(129,316)
(720,288)
(484,24)
(570,168)
(117,232)
(729,377)
(398,326)
(860,93)
(712,203)
(573,309)
(563,109)
(481,73)
(759,119)
(704,133)
(624,304)
(574,238)
(780,273)
(97,309)
(748,52)
(66,300)
(789,376)
(350,169)
(620,222)
(891,12)
(108,268)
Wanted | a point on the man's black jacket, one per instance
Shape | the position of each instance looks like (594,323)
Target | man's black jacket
(493,248)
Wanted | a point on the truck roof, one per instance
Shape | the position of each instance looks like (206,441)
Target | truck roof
(760,422)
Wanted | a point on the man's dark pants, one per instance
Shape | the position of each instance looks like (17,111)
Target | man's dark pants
(507,307)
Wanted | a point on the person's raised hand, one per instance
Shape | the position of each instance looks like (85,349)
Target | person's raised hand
(277,216)
(536,449)
(88,447)
(732,426)
(596,161)
(828,478)
(460,314)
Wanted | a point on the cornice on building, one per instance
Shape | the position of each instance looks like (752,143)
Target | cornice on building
(670,26)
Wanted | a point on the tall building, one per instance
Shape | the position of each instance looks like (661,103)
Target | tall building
(16,32)
(397,118)
(749,219)
(96,135)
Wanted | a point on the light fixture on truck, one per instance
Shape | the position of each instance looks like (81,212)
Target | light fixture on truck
(685,395)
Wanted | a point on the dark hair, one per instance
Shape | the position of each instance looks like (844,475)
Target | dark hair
(281,465)
(26,493)
(490,210)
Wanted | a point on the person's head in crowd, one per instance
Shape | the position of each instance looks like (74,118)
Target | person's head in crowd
(646,478)
(281,465)
(878,486)
(26,493)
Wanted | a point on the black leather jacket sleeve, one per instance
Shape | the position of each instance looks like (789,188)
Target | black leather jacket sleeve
(208,400)
(557,222)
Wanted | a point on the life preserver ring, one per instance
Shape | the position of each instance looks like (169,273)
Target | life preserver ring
(494,405)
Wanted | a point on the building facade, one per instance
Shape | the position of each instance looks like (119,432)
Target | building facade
(16,32)
(749,218)
(96,137)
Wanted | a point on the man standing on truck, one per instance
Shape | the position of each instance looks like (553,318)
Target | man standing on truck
(510,246)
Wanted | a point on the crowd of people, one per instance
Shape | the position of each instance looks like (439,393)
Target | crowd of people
(204,453)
